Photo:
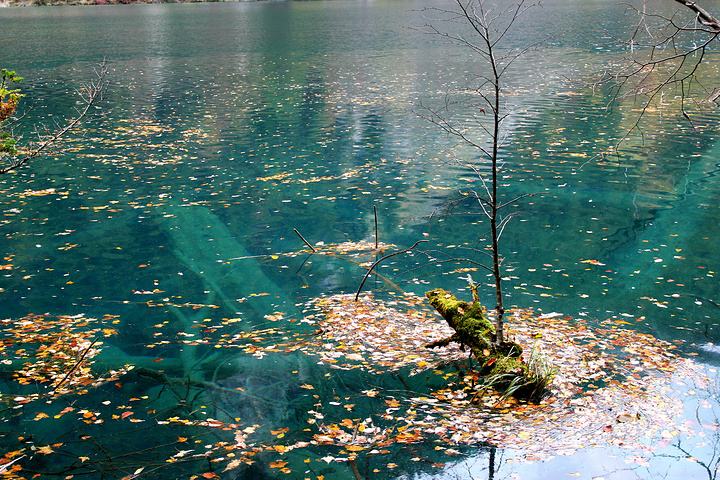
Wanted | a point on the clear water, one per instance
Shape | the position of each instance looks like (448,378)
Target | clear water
(167,186)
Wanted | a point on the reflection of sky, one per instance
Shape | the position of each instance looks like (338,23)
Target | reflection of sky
(683,456)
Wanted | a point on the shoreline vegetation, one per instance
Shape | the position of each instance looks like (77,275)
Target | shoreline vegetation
(58,3)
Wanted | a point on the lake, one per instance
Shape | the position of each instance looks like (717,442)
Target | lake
(170,214)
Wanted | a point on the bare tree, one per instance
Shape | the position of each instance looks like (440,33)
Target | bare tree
(46,137)
(482,28)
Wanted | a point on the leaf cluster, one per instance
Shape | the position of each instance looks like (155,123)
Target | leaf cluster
(10,96)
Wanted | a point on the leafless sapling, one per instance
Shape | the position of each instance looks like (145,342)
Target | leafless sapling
(481,27)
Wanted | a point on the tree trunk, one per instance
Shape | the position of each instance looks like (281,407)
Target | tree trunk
(500,363)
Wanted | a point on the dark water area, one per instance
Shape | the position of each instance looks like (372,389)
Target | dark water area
(224,126)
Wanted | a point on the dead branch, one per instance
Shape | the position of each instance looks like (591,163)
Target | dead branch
(379,261)
(89,94)
(74,367)
(304,241)
(666,52)
(377,237)
(705,17)
(5,468)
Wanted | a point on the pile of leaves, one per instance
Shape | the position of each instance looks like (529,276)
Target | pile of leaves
(346,248)
(378,336)
(613,386)
(55,353)
(287,177)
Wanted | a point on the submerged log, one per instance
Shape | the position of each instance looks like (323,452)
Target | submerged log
(501,365)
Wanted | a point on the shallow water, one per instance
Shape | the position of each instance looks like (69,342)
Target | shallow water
(226,125)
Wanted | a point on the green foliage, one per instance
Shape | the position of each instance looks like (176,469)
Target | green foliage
(515,378)
(7,144)
(9,98)
(540,374)
(7,78)
(8,83)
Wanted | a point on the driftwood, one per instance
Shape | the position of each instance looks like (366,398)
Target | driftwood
(501,365)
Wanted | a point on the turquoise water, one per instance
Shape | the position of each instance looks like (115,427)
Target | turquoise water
(226,125)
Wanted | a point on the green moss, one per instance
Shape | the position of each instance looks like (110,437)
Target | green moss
(508,366)
(444,302)
(469,320)
(502,365)
(479,328)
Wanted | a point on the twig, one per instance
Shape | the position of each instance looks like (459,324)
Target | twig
(377,262)
(376,227)
(4,468)
(354,468)
(77,364)
(304,241)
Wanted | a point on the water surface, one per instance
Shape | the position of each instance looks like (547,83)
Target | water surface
(226,125)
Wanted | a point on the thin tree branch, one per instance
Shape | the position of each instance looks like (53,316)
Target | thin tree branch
(90,94)
(379,261)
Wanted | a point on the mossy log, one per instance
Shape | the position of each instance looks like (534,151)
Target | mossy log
(501,364)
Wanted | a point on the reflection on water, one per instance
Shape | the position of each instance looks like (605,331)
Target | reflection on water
(228,125)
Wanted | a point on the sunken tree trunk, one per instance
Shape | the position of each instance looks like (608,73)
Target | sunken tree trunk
(501,364)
